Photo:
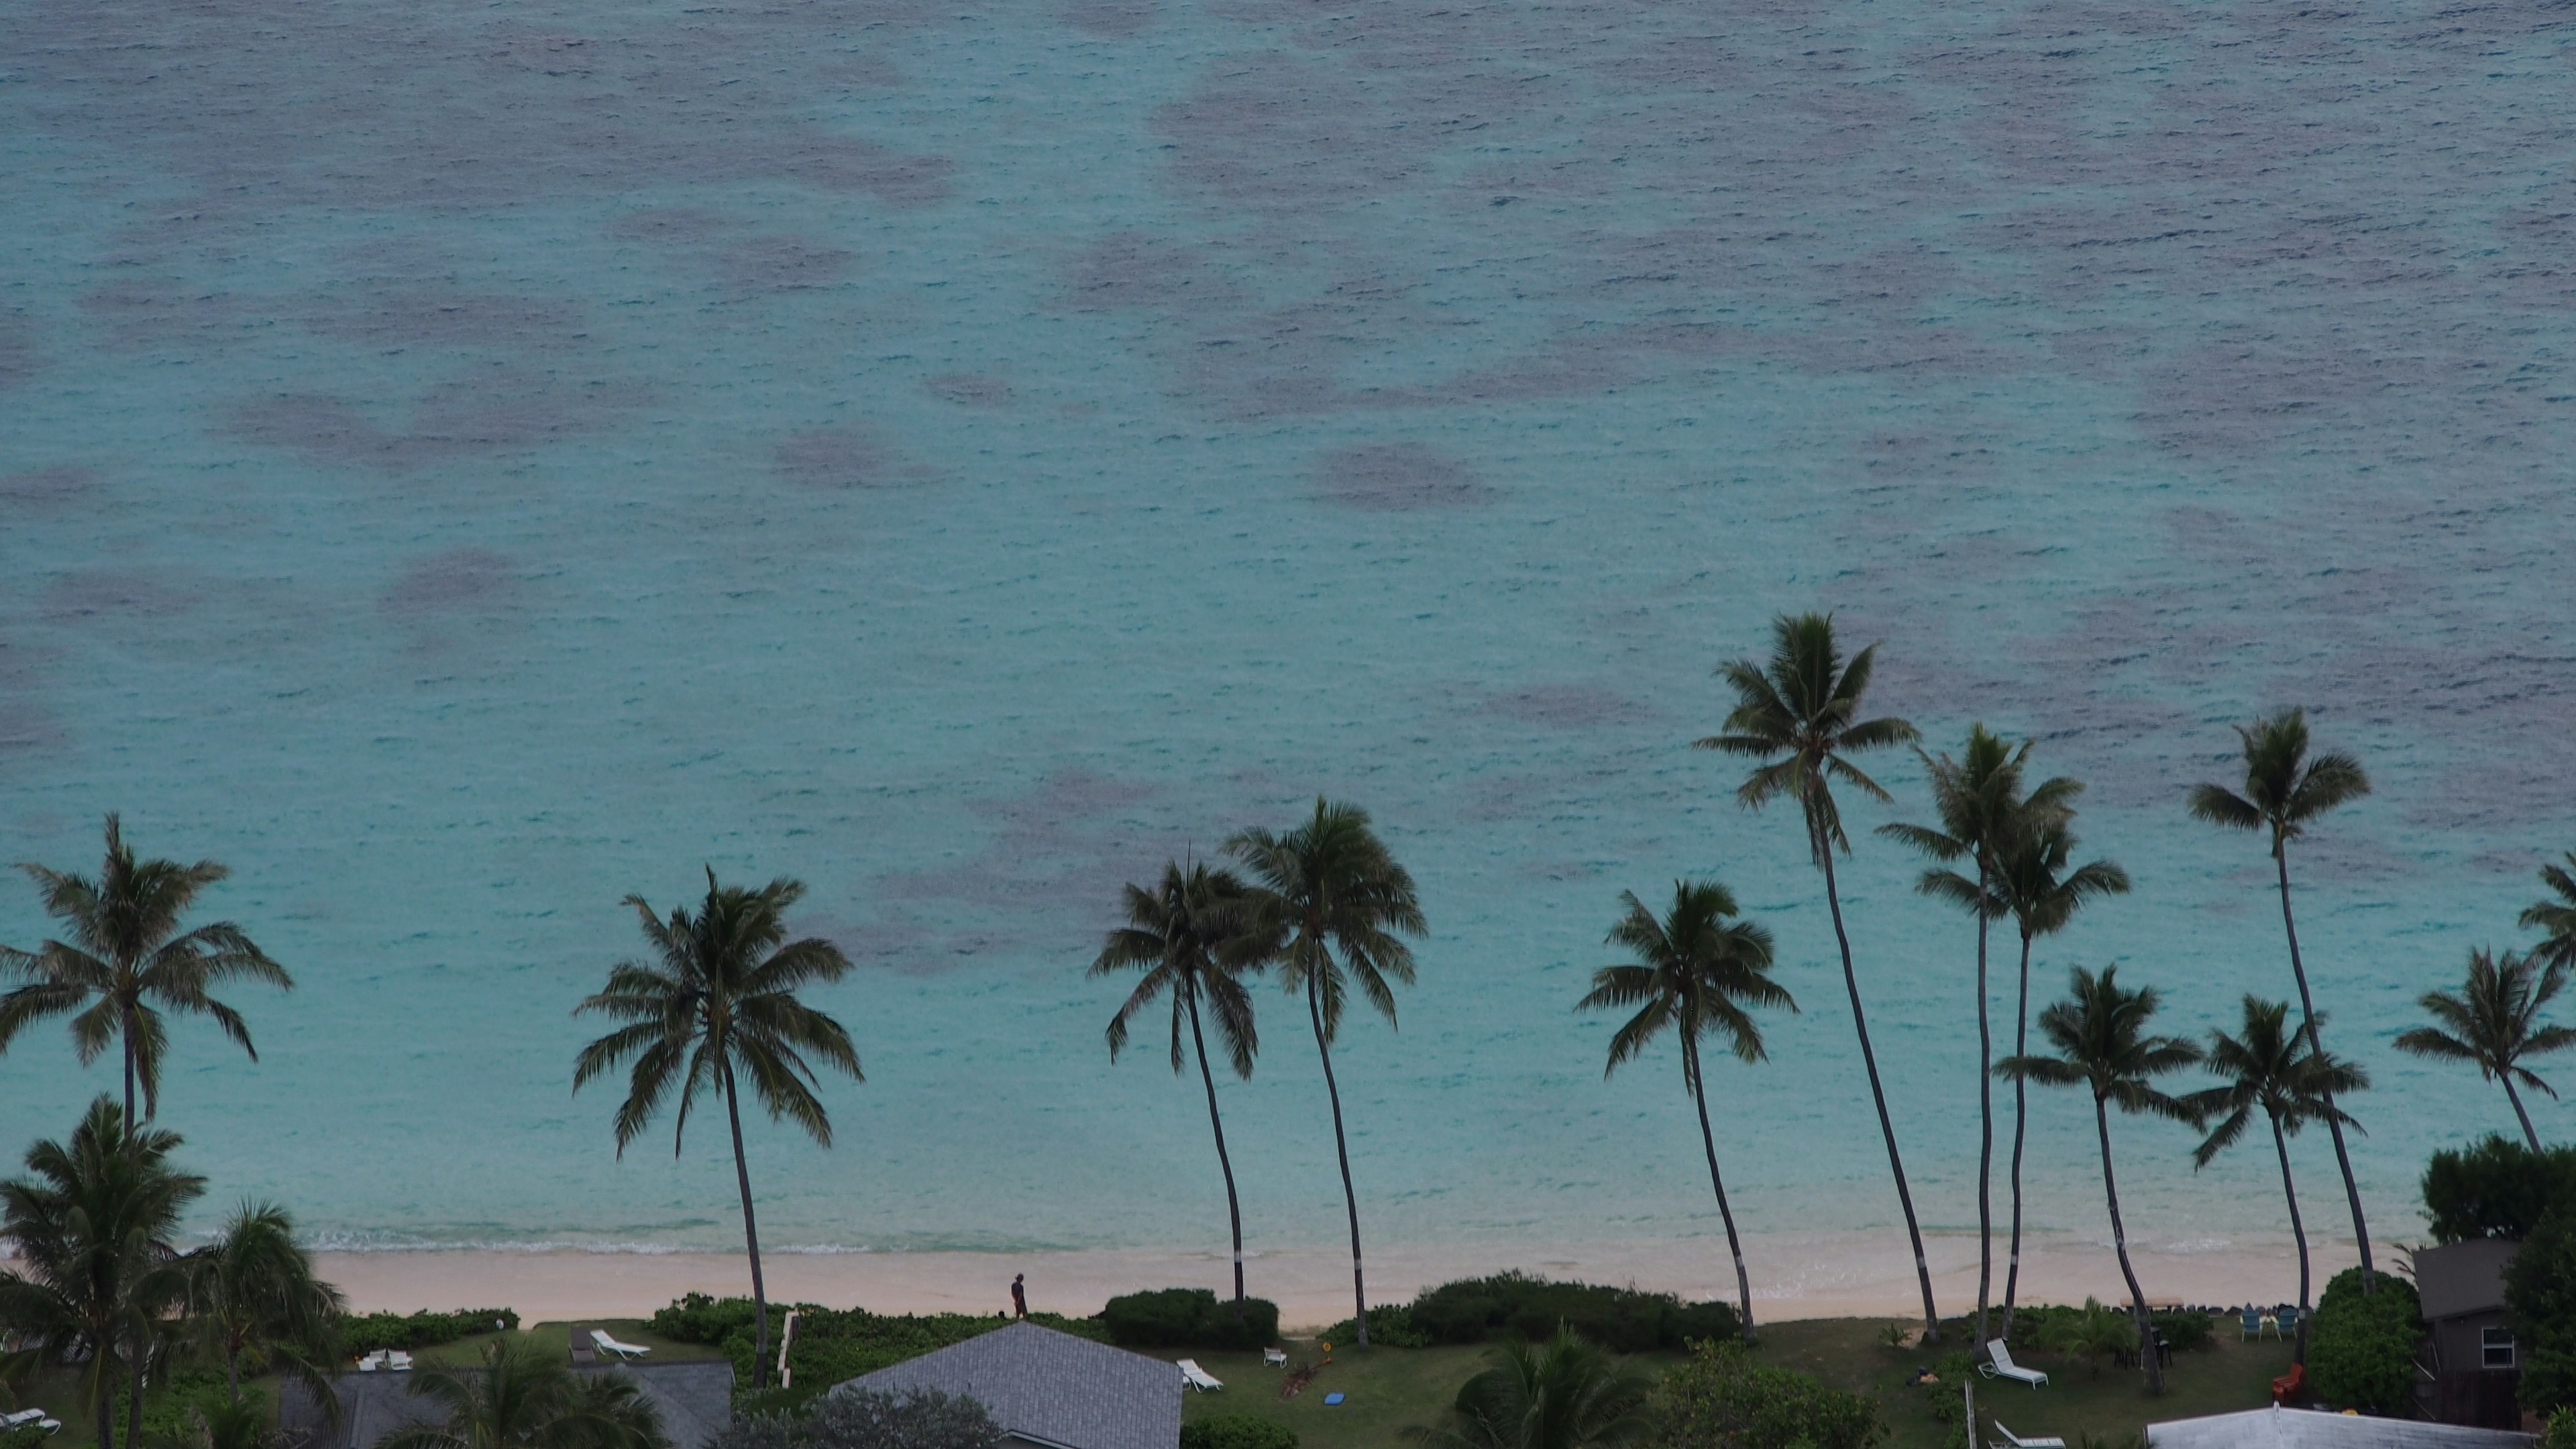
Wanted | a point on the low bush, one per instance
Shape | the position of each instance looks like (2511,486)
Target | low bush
(2095,1331)
(25,1437)
(173,1403)
(2361,1347)
(1623,1320)
(1190,1318)
(1237,1431)
(1390,1326)
(2496,1188)
(833,1345)
(1724,1398)
(2183,1331)
(364,1333)
(919,1420)
(2540,1294)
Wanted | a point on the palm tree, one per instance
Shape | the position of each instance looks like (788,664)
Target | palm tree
(1978,800)
(2271,1069)
(718,1004)
(1337,907)
(127,955)
(96,1273)
(2284,791)
(1563,1394)
(1799,714)
(524,1398)
(253,1289)
(1696,971)
(2100,1032)
(2555,919)
(2033,882)
(1192,936)
(2494,1022)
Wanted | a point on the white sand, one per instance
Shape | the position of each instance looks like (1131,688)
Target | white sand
(1821,1276)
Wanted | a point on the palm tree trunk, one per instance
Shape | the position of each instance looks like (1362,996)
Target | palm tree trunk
(1878,1094)
(1985,1125)
(2334,1123)
(1359,1286)
(2120,1245)
(2299,1232)
(134,1396)
(751,1240)
(106,1404)
(1233,1208)
(2021,1123)
(127,1017)
(232,1369)
(2510,1095)
(1699,1094)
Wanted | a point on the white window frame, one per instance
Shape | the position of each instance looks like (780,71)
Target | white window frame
(2488,1348)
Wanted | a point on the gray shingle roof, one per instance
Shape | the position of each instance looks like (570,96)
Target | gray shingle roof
(696,1400)
(1050,1387)
(2279,1428)
(2463,1278)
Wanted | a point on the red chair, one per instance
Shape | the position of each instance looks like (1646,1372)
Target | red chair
(2292,1386)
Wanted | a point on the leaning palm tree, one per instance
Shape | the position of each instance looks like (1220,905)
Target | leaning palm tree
(1192,936)
(2100,1032)
(2271,1069)
(1979,802)
(717,1004)
(2034,883)
(127,960)
(96,1275)
(252,1290)
(1800,715)
(1336,906)
(1697,971)
(2494,1024)
(524,1398)
(2284,791)
(1563,1394)
(2555,919)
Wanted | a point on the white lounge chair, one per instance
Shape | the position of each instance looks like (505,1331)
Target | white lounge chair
(26,1417)
(1999,1364)
(374,1361)
(398,1361)
(1198,1378)
(622,1350)
(1275,1357)
(2011,1440)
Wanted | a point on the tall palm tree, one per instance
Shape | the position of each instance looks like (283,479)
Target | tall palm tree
(523,1398)
(717,1004)
(1337,907)
(1696,971)
(96,1276)
(2100,1032)
(1562,1394)
(2494,1022)
(2284,791)
(2555,919)
(1192,936)
(2034,883)
(253,1290)
(1799,714)
(127,961)
(1979,802)
(2271,1069)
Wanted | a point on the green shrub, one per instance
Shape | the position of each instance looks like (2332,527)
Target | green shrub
(26,1437)
(1191,1318)
(1724,1398)
(2095,1331)
(832,1345)
(2184,1332)
(2540,1294)
(2497,1188)
(1237,1431)
(1390,1326)
(2561,1433)
(173,1401)
(1622,1320)
(2361,1347)
(366,1332)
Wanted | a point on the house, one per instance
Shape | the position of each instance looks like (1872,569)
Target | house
(2471,1363)
(1049,1389)
(2279,1428)
(696,1401)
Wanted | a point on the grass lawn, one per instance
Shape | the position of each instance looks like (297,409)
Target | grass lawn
(556,1339)
(1389,1389)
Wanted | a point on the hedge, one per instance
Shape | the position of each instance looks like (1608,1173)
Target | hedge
(1723,1398)
(2496,1188)
(2361,1347)
(2540,1293)
(833,1345)
(365,1333)
(1190,1318)
(1237,1431)
(1623,1320)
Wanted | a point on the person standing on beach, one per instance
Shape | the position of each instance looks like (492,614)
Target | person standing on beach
(1020,1294)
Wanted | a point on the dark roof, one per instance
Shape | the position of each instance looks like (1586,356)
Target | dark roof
(1051,1388)
(2456,1279)
(2279,1428)
(696,1400)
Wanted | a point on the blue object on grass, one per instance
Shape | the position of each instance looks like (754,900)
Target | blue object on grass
(1331,1399)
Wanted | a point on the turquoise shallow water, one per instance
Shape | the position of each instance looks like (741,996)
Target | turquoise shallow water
(460,464)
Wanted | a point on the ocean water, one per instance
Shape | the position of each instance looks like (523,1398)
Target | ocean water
(461,464)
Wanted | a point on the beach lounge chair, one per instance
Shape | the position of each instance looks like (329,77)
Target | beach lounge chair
(2251,1320)
(1275,1357)
(1999,1365)
(1198,1378)
(2288,1318)
(26,1417)
(2011,1440)
(373,1361)
(398,1361)
(622,1350)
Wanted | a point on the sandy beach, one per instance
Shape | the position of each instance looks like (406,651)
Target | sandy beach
(1819,1276)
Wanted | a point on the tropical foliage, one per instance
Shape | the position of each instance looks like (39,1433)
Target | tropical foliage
(1190,1318)
(1237,1431)
(717,1003)
(2554,915)
(2496,1188)
(1560,1394)
(252,1291)
(523,1397)
(2540,1295)
(1624,1320)
(1724,1398)
(2493,1023)
(2362,1352)
(836,1344)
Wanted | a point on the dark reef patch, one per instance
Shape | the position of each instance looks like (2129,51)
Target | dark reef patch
(1396,478)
